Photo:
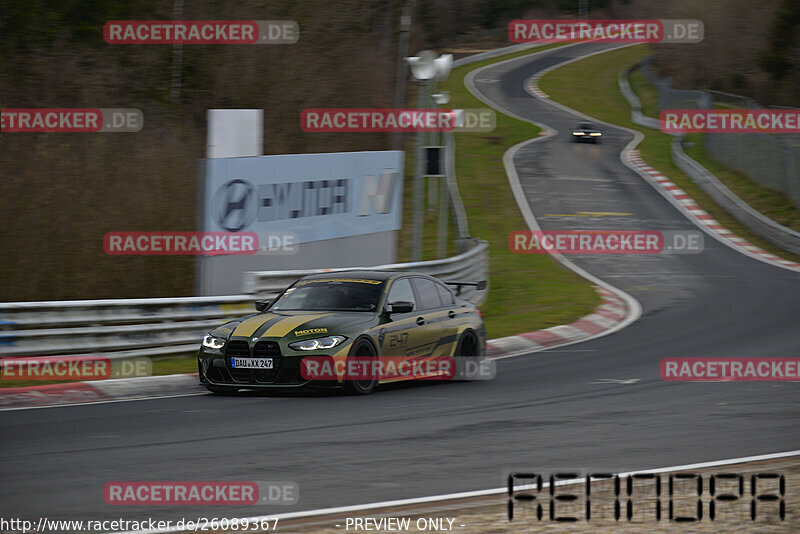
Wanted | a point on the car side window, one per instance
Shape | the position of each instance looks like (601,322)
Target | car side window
(427,293)
(401,291)
(445,295)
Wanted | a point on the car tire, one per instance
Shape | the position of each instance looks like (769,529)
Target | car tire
(468,349)
(220,390)
(363,349)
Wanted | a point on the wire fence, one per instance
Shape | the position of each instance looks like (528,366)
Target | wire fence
(772,161)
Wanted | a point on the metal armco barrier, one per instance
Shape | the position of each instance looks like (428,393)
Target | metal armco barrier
(637,117)
(122,328)
(126,327)
(759,224)
(471,265)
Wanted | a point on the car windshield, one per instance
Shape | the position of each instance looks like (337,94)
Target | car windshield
(586,126)
(331,294)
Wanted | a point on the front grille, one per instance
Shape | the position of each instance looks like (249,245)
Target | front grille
(267,349)
(238,349)
(262,349)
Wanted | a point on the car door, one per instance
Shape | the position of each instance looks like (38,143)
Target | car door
(433,320)
(402,333)
(450,325)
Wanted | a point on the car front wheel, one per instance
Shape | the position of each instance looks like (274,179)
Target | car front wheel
(364,350)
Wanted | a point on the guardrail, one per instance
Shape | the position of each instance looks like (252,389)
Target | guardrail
(759,224)
(122,328)
(127,327)
(470,265)
(637,117)
(490,54)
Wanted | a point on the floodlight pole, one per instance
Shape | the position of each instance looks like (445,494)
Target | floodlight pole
(427,69)
(432,140)
(443,139)
(419,160)
(444,206)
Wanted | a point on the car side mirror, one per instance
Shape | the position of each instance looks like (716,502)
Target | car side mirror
(262,305)
(481,285)
(401,306)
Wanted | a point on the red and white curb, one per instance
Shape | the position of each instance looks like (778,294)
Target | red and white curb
(697,214)
(613,314)
(606,316)
(618,309)
(533,87)
(99,391)
(69,393)
(632,158)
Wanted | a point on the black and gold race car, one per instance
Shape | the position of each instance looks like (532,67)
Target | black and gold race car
(351,329)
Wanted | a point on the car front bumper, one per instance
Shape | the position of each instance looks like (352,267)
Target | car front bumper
(214,366)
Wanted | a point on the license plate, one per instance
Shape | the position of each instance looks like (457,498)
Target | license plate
(251,363)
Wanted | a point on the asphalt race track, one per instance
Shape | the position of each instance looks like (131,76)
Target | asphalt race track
(576,407)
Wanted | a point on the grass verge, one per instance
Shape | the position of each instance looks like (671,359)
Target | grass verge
(648,95)
(162,365)
(769,202)
(608,104)
(528,292)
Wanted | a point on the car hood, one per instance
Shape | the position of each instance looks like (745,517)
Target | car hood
(295,325)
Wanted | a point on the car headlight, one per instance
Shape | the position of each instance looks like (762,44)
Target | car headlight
(327,342)
(577,133)
(213,342)
(595,134)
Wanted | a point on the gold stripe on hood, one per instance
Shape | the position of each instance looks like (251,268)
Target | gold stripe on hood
(281,328)
(249,326)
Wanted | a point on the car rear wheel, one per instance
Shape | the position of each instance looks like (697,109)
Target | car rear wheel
(364,350)
(466,356)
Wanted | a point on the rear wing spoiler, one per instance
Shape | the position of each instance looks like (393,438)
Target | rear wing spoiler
(480,285)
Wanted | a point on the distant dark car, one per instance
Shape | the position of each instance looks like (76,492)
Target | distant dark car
(335,317)
(586,131)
